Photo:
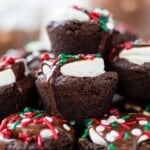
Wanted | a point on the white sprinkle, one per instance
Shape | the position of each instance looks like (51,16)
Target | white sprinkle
(111,137)
(46,133)
(114,133)
(25,120)
(110,25)
(112,119)
(100,128)
(105,122)
(56,130)
(136,132)
(49,119)
(146,113)
(72,122)
(66,127)
(120,120)
(105,12)
(143,122)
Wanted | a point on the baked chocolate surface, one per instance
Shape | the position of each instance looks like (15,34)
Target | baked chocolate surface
(74,37)
(134,80)
(76,97)
(22,92)
(33,130)
(116,131)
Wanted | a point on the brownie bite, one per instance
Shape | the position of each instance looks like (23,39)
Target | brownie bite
(116,131)
(132,64)
(78,30)
(17,88)
(33,130)
(76,86)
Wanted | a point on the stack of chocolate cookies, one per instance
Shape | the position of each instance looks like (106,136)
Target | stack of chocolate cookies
(92,89)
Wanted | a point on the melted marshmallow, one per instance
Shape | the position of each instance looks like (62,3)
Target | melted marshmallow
(7,77)
(71,14)
(96,138)
(84,68)
(137,55)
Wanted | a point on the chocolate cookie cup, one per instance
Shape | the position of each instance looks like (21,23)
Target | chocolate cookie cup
(116,132)
(17,87)
(78,30)
(133,67)
(76,86)
(34,130)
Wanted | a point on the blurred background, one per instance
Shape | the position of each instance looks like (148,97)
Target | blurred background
(22,21)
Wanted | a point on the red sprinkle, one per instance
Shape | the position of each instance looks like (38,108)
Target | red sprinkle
(14,118)
(89,56)
(56,118)
(3,124)
(121,134)
(125,126)
(141,118)
(30,114)
(39,141)
(130,123)
(45,56)
(7,133)
(27,139)
(147,133)
(97,122)
(36,121)
(56,60)
(55,135)
(128,45)
(26,123)
(107,127)
(95,16)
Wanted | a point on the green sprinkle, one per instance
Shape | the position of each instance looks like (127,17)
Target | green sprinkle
(63,61)
(22,114)
(112,146)
(147,126)
(125,117)
(27,109)
(39,115)
(62,56)
(98,55)
(147,108)
(76,57)
(15,125)
(115,124)
(86,133)
(126,136)
(89,122)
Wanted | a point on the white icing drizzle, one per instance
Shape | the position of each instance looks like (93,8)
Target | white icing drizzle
(84,68)
(136,55)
